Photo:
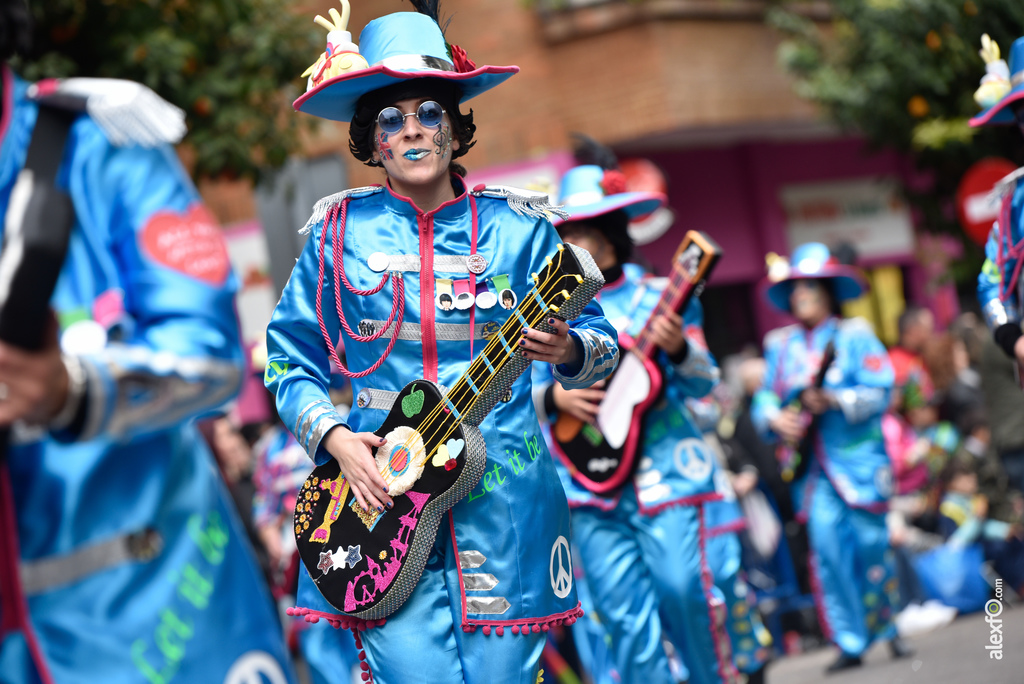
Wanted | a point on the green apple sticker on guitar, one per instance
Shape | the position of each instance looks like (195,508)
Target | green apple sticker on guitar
(367,563)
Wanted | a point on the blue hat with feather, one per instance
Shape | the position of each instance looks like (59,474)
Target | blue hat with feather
(394,48)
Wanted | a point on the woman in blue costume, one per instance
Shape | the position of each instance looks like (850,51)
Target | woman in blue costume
(499,573)
(1000,287)
(844,494)
(643,548)
(121,557)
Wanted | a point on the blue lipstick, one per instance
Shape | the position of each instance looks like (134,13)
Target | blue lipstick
(416,154)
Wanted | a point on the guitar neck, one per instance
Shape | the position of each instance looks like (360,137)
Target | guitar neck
(674,299)
(562,290)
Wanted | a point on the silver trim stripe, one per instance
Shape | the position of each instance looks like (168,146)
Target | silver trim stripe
(444,263)
(449,332)
(43,574)
(471,559)
(298,421)
(326,423)
(479,581)
(370,398)
(487,605)
(312,417)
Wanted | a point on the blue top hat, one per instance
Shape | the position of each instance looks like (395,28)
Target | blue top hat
(1002,84)
(589,190)
(393,48)
(813,260)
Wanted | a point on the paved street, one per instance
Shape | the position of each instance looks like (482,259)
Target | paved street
(953,655)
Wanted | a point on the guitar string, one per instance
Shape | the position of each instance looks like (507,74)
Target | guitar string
(644,343)
(550,285)
(493,344)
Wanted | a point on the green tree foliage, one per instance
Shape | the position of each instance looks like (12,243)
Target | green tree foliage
(225,62)
(903,74)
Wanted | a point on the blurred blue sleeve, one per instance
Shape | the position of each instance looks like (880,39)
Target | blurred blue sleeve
(182,355)
(697,374)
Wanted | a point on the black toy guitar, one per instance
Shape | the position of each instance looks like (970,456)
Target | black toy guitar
(367,563)
(601,457)
(795,459)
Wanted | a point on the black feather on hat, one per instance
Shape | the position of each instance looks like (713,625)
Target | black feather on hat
(431,8)
(614,225)
(588,151)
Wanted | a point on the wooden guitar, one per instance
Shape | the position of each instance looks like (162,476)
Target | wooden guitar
(367,563)
(601,457)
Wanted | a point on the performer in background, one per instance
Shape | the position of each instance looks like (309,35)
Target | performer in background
(843,494)
(500,559)
(128,563)
(999,283)
(643,547)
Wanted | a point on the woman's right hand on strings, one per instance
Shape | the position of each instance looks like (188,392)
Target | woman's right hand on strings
(352,451)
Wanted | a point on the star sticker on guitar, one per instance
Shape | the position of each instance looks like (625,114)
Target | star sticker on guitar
(352,556)
(326,562)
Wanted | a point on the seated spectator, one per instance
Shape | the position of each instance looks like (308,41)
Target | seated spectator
(957,385)
(963,520)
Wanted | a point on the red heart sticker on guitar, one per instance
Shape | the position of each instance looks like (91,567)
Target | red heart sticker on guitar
(190,243)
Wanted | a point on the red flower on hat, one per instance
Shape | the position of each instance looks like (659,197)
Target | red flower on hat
(461,60)
(613,182)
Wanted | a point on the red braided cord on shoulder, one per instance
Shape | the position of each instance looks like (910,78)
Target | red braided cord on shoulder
(336,219)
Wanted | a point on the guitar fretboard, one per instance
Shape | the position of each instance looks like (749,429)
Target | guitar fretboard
(680,284)
(472,392)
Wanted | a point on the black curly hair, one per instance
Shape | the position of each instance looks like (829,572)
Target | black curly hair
(446,93)
(614,226)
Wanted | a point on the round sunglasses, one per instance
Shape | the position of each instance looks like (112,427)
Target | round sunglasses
(392,120)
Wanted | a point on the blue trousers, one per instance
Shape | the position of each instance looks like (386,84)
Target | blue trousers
(424,641)
(751,642)
(852,573)
(638,566)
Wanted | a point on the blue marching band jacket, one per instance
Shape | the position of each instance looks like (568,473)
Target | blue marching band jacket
(514,521)
(675,464)
(849,449)
(133,566)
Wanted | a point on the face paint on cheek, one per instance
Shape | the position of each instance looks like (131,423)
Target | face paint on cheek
(384,146)
(443,140)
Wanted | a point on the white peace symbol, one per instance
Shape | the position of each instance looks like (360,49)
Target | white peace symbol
(561,580)
(693,460)
(256,667)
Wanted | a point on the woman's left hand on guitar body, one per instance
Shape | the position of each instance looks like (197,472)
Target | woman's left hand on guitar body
(558,348)
(579,403)
(667,333)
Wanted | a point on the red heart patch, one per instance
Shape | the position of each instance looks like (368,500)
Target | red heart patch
(190,243)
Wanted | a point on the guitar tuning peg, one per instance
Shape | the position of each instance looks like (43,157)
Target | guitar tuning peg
(552,307)
(536,278)
(561,247)
(548,259)
(579,278)
(566,294)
